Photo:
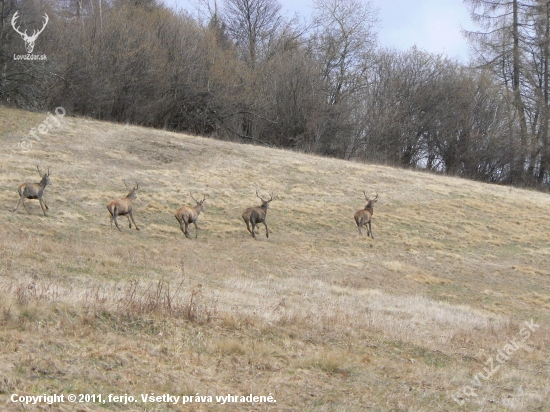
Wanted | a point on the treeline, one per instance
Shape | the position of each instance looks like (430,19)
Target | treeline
(245,72)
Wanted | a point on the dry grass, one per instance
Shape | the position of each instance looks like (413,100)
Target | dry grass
(318,316)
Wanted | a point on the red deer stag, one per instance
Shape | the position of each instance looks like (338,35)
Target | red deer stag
(123,207)
(187,215)
(34,191)
(363,217)
(257,215)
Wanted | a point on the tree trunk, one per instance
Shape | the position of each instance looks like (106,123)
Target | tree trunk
(516,174)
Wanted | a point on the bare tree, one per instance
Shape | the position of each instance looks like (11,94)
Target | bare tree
(251,23)
(342,42)
(343,39)
(499,46)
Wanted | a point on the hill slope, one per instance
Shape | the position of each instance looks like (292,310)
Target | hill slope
(316,315)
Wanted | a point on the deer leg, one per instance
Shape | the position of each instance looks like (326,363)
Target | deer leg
(370,230)
(24,205)
(129,222)
(115,214)
(187,235)
(247,226)
(181,225)
(18,203)
(116,223)
(42,206)
(132,216)
(196,230)
(253,229)
(266,230)
(358,223)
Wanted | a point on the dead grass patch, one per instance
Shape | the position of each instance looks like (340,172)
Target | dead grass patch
(317,315)
(428,279)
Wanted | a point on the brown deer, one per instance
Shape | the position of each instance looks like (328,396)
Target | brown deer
(187,215)
(123,207)
(34,191)
(257,215)
(363,217)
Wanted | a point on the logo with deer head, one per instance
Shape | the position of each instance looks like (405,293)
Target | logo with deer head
(29,40)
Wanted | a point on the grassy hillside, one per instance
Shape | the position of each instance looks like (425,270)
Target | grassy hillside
(318,316)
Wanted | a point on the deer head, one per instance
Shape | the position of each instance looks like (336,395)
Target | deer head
(265,203)
(45,176)
(131,190)
(199,202)
(370,201)
(29,40)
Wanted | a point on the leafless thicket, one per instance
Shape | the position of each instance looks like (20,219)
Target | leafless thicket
(252,75)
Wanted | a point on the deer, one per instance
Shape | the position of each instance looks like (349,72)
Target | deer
(34,191)
(186,215)
(363,217)
(256,215)
(29,40)
(123,207)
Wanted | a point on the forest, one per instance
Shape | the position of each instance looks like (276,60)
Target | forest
(244,72)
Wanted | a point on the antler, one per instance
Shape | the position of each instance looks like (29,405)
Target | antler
(264,201)
(36,33)
(367,198)
(128,187)
(13,19)
(24,34)
(198,201)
